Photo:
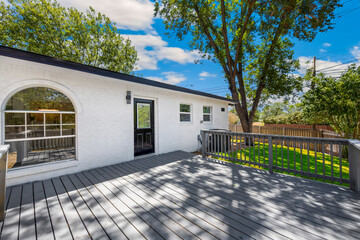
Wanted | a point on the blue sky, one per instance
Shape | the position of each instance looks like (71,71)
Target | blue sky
(168,60)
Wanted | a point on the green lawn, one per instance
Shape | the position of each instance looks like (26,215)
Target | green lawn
(302,159)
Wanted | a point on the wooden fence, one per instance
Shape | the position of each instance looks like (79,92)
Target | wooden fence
(286,131)
(295,132)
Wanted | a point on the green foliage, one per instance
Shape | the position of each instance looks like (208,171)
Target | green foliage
(45,27)
(287,118)
(33,99)
(257,116)
(297,160)
(273,110)
(283,113)
(143,116)
(337,101)
(251,40)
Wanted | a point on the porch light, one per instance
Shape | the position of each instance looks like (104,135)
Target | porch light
(128,97)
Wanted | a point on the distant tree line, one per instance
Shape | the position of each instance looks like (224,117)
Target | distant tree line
(285,113)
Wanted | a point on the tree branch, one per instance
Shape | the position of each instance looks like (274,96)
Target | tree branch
(243,29)
(336,127)
(226,40)
(261,84)
(211,40)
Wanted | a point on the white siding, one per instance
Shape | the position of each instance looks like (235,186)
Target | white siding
(105,125)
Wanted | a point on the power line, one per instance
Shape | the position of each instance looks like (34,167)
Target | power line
(341,59)
(346,12)
(334,72)
(354,60)
(219,91)
(212,88)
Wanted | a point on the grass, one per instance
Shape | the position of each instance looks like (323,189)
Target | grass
(303,160)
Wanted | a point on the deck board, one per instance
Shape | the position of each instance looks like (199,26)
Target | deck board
(92,224)
(74,219)
(267,207)
(27,229)
(180,196)
(110,227)
(186,225)
(149,206)
(120,202)
(117,214)
(61,228)
(236,222)
(196,217)
(11,222)
(220,196)
(201,212)
(137,207)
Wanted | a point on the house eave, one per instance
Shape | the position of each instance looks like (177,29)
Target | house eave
(38,58)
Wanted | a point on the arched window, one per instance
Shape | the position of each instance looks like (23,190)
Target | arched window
(39,126)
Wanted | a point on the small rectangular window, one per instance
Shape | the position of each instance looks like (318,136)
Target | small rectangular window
(185,113)
(207,111)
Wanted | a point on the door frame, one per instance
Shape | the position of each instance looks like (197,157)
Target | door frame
(156,124)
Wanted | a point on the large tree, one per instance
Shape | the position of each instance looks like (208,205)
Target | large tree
(336,101)
(252,40)
(45,27)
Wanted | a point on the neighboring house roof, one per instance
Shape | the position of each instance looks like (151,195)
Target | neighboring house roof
(38,58)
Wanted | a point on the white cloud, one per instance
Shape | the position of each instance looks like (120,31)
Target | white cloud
(177,55)
(170,78)
(329,68)
(355,51)
(202,79)
(138,15)
(204,74)
(151,49)
(323,50)
(326,45)
(127,14)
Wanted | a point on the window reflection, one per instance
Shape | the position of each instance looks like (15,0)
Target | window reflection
(143,115)
(39,127)
(40,99)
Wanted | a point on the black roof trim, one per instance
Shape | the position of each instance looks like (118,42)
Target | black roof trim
(34,57)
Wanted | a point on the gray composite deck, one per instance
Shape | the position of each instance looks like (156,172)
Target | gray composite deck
(180,196)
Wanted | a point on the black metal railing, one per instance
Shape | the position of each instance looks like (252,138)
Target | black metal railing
(325,159)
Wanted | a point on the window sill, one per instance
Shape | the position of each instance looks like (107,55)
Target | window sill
(40,168)
(186,123)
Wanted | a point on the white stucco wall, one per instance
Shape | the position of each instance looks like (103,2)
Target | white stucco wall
(105,128)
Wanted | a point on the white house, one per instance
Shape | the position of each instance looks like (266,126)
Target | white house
(61,117)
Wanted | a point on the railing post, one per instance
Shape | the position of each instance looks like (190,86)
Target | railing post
(3,170)
(270,157)
(354,165)
(203,142)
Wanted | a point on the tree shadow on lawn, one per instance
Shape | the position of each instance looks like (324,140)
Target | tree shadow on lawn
(292,158)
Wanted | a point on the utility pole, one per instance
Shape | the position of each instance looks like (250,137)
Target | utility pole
(314,74)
